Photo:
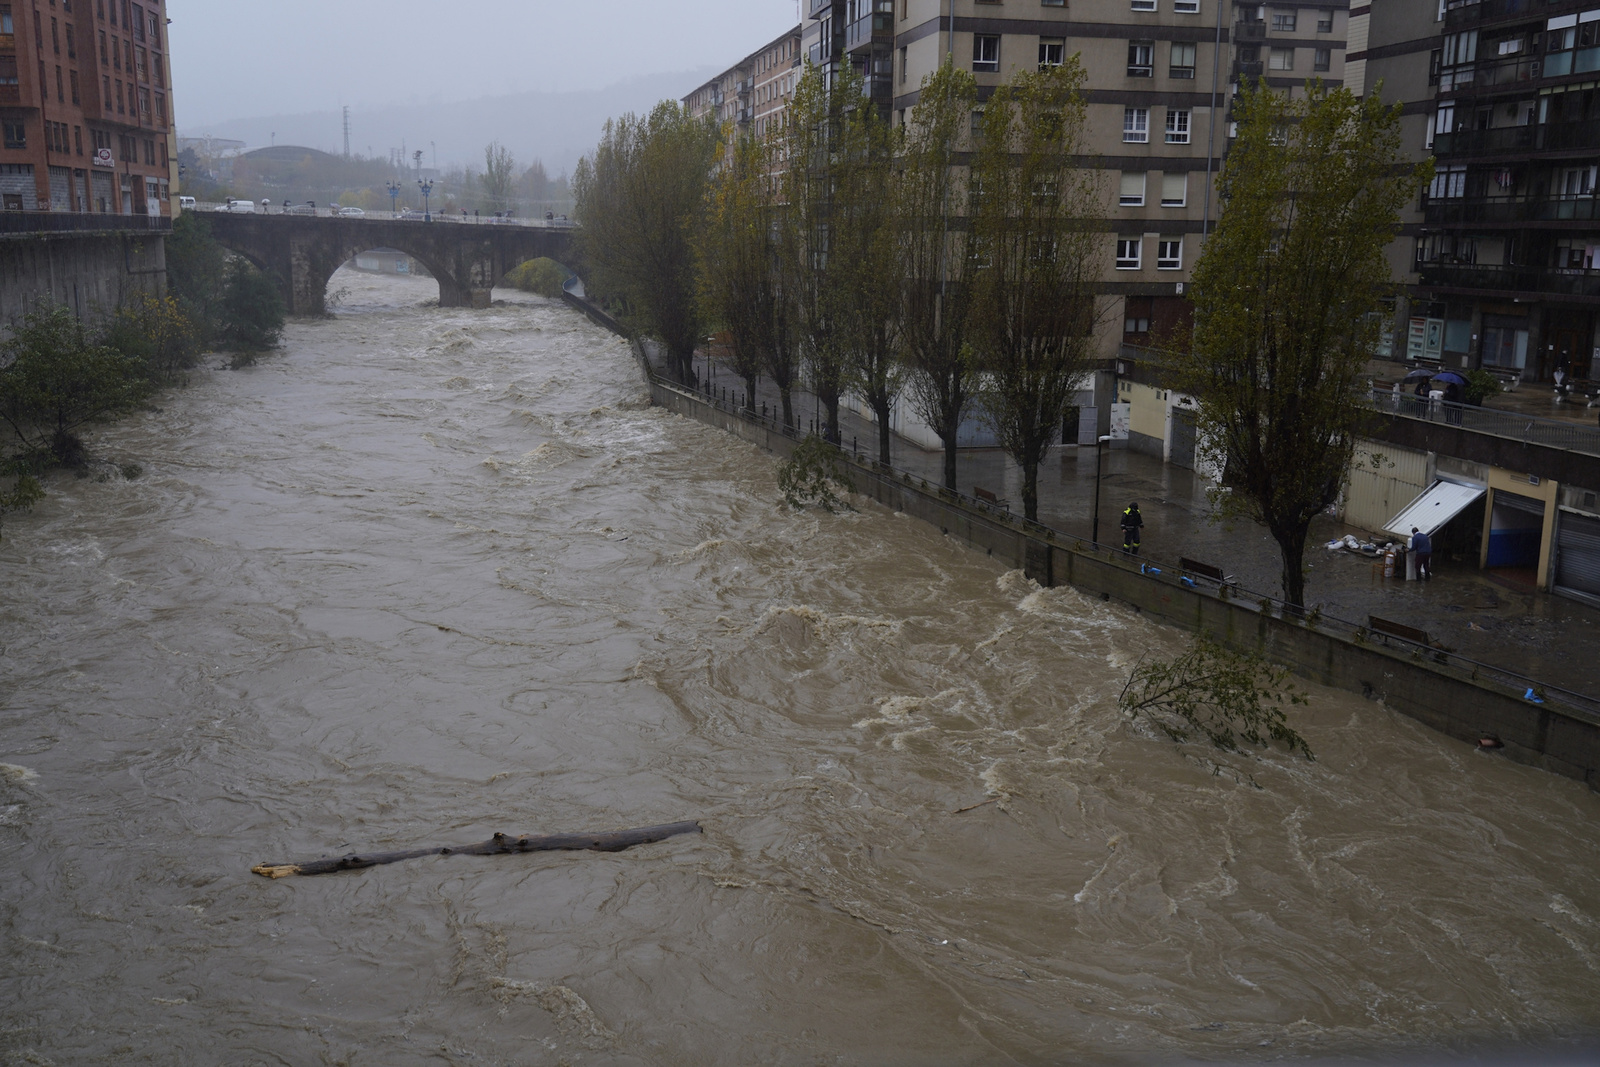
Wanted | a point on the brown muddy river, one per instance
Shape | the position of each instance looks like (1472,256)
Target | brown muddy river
(424,575)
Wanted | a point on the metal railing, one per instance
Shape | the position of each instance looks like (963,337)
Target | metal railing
(1526,429)
(1578,705)
(406,215)
(1565,281)
(1510,209)
(80,222)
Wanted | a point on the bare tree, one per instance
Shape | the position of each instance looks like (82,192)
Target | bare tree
(640,197)
(1037,259)
(930,199)
(499,167)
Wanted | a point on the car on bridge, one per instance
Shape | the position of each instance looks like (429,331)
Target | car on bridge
(241,207)
(350,212)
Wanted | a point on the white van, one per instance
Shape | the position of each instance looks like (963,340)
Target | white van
(242,207)
(186,203)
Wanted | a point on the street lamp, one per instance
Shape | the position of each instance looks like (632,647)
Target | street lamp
(394,197)
(427,188)
(1099,450)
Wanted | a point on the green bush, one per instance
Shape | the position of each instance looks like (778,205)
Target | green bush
(251,311)
(1481,385)
(158,333)
(543,276)
(811,473)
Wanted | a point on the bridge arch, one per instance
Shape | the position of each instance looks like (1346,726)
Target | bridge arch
(467,260)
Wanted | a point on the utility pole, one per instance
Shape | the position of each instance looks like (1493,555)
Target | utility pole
(347,131)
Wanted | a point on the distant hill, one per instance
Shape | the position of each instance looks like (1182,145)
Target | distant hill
(558,128)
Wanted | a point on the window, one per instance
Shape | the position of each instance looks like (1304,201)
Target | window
(116,53)
(120,109)
(61,87)
(904,71)
(77,139)
(1052,51)
(1054,3)
(1177,126)
(55,37)
(1136,124)
(1140,56)
(16,134)
(1169,253)
(1448,183)
(1325,22)
(138,21)
(1128,252)
(1280,59)
(1186,7)
(1136,323)
(977,124)
(161,108)
(6,26)
(1284,21)
(1174,188)
(1132,189)
(1182,65)
(1144,5)
(1321,58)
(72,79)
(144,101)
(104,61)
(72,44)
(985,53)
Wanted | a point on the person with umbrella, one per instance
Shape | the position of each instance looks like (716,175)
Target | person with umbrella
(1453,386)
(1422,376)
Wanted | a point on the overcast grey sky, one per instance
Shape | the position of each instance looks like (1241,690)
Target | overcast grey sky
(233,59)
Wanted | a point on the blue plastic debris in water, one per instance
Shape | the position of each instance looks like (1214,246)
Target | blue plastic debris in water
(1529,696)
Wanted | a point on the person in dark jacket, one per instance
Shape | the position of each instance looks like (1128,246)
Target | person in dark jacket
(1422,548)
(1132,521)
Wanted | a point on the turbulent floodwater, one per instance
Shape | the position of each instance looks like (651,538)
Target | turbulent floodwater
(425,575)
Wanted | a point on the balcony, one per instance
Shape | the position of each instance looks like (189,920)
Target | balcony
(1515,140)
(1488,74)
(1466,14)
(1509,210)
(817,7)
(1532,280)
(863,33)
(1250,30)
(1247,69)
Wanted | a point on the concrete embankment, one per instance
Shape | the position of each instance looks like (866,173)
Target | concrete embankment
(1468,701)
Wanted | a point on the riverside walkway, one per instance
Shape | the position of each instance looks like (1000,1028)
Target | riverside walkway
(1483,615)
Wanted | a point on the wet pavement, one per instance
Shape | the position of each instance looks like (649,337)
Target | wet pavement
(1493,617)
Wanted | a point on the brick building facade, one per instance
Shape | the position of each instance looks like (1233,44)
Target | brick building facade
(86,121)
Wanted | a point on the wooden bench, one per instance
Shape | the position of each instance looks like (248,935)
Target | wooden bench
(1399,629)
(986,497)
(1205,570)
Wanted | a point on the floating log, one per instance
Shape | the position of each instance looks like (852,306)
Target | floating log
(499,844)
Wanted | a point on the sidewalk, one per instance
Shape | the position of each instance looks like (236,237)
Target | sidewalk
(1493,618)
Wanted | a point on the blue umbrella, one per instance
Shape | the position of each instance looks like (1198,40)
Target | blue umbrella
(1419,372)
(1450,377)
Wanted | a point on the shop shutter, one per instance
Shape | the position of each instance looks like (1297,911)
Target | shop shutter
(1578,554)
(1516,502)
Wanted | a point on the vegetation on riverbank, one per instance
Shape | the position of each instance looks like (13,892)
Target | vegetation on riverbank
(543,276)
(954,256)
(59,375)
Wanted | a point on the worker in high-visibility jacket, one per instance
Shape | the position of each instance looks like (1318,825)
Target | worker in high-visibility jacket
(1132,521)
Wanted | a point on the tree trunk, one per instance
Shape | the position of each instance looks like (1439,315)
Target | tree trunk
(499,844)
(750,394)
(788,405)
(950,459)
(1030,490)
(880,408)
(1292,542)
(830,407)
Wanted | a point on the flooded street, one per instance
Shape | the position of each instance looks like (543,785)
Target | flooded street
(425,575)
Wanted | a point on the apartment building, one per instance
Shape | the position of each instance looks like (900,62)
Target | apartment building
(752,96)
(1159,77)
(86,107)
(1502,246)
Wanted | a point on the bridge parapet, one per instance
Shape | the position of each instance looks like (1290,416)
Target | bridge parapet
(302,252)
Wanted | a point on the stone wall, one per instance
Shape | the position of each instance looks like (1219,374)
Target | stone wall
(91,273)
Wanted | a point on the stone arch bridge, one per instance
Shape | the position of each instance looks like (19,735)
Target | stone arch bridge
(467,259)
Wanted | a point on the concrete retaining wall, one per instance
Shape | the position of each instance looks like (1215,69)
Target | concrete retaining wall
(91,273)
(1430,687)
